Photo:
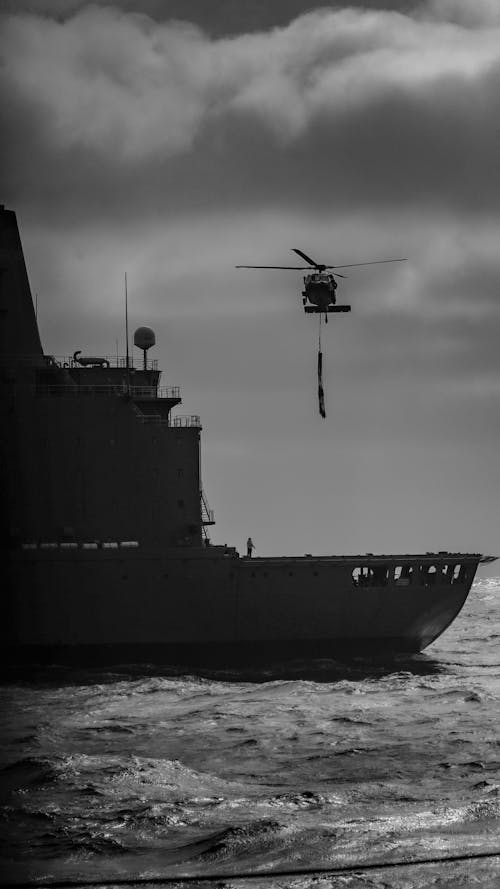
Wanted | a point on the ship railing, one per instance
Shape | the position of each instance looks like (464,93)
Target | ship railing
(80,544)
(137,392)
(152,392)
(117,361)
(190,421)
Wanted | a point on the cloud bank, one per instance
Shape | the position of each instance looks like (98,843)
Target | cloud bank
(359,105)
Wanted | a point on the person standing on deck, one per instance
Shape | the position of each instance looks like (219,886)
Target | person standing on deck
(250,547)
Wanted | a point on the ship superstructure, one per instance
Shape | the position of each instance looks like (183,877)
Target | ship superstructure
(104,527)
(95,456)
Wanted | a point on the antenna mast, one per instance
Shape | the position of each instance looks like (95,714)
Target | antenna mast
(126,322)
(126,338)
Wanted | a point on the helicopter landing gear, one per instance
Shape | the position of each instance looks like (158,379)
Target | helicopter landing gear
(316,310)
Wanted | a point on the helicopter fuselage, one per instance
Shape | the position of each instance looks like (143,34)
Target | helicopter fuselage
(319,294)
(319,290)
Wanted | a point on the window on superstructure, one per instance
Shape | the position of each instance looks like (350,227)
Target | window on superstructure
(180,472)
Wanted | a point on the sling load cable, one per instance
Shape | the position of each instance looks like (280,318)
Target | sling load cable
(321,392)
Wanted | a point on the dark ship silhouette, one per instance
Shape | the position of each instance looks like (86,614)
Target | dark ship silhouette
(104,529)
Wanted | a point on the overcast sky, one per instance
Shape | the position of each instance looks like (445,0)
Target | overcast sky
(175,140)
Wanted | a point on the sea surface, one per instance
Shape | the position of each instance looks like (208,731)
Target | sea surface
(143,772)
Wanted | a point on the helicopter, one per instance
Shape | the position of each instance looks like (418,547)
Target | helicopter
(318,295)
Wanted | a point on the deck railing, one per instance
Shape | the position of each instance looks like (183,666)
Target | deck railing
(192,420)
(137,392)
(115,361)
(38,360)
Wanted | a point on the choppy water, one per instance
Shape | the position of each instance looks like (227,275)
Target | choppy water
(144,772)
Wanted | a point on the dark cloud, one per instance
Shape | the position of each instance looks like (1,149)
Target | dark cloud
(348,106)
(218,17)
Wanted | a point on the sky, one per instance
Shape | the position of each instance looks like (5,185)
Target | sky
(175,140)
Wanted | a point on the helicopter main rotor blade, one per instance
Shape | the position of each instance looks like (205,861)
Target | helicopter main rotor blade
(306,257)
(292,267)
(373,262)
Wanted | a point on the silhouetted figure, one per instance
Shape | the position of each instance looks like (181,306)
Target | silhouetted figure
(250,547)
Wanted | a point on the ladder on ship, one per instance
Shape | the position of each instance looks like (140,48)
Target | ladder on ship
(149,417)
(207,514)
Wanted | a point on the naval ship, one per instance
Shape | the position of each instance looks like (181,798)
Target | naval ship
(106,555)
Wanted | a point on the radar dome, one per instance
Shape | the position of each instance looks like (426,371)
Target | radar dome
(144,338)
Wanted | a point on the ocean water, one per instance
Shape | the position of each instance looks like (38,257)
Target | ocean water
(144,772)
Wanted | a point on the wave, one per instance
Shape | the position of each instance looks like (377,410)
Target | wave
(305,799)
(28,772)
(257,837)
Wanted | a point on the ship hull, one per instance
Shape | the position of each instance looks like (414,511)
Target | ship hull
(112,606)
(216,655)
